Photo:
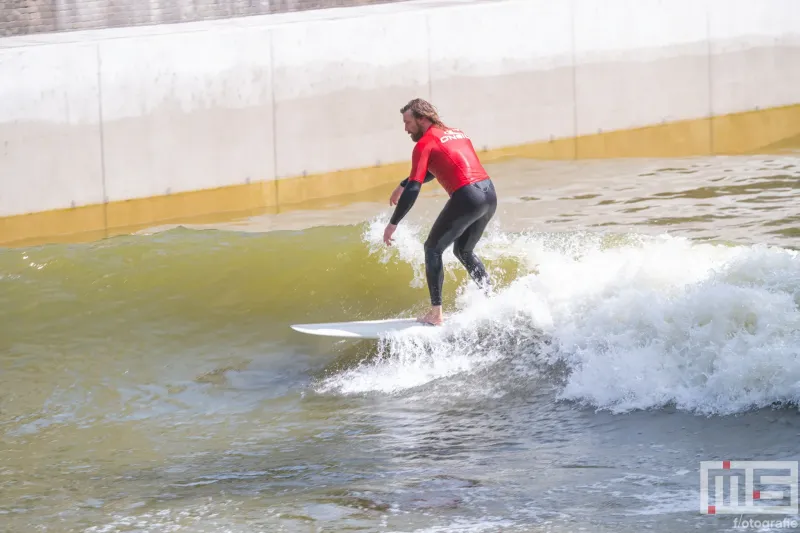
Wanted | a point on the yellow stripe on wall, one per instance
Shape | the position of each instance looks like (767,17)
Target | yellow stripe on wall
(768,131)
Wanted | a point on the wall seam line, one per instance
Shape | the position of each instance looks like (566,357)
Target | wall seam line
(574,84)
(428,36)
(274,117)
(710,80)
(102,139)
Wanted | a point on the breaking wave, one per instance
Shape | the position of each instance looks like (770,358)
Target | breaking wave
(617,322)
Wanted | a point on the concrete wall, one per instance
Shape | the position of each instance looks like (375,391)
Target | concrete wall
(23,17)
(88,117)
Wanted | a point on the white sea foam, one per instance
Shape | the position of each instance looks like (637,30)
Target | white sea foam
(639,322)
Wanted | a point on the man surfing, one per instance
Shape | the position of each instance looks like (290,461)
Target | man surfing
(448,155)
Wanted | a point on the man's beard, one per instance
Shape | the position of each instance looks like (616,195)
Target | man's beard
(416,136)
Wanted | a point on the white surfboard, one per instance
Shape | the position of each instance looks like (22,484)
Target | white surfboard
(361,329)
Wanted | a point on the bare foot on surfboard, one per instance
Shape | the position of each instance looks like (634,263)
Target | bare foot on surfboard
(433,317)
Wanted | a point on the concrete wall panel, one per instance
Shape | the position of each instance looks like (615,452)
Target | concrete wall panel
(339,86)
(640,62)
(503,72)
(49,128)
(755,54)
(186,111)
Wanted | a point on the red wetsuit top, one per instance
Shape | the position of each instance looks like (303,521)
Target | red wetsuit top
(448,155)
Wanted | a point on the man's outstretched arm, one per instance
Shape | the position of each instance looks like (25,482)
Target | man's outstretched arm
(419,173)
(407,199)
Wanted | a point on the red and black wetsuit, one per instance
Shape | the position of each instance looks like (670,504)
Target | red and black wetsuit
(448,156)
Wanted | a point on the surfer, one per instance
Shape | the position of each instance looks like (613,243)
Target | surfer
(448,155)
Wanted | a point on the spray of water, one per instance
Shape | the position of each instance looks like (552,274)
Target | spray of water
(637,322)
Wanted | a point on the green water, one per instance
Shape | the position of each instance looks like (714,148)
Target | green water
(151,382)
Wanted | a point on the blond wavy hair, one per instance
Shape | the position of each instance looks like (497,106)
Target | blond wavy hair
(423,109)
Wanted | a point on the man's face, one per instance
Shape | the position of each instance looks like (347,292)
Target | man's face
(413,126)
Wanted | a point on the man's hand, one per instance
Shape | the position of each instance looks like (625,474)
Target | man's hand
(387,234)
(395,197)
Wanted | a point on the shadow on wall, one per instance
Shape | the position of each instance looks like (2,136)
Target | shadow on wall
(25,17)
(791,144)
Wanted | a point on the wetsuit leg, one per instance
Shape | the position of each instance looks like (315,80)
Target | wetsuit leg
(464,247)
(466,214)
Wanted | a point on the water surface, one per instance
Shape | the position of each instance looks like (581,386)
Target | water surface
(645,319)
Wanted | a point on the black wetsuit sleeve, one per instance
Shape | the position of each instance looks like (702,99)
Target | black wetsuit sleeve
(428,177)
(407,199)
